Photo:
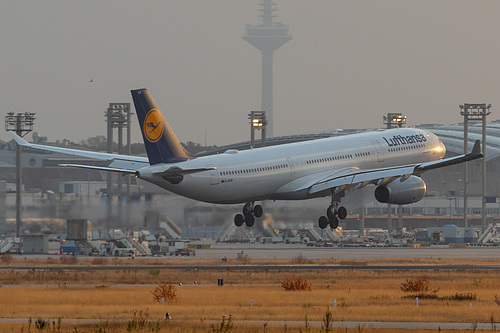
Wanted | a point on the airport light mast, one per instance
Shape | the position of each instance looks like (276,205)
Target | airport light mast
(394,120)
(267,37)
(22,124)
(258,121)
(474,112)
(118,116)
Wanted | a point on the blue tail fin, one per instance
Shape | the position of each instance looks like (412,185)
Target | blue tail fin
(161,143)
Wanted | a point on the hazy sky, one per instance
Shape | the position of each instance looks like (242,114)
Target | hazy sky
(349,63)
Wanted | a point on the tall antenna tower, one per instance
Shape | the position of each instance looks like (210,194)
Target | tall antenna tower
(267,37)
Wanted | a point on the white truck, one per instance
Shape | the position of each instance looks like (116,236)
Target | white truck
(117,248)
(180,249)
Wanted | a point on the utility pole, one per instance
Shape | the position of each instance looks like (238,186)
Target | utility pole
(22,124)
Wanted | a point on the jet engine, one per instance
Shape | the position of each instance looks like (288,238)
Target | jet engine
(400,192)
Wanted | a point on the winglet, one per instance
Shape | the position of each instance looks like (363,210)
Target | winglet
(477,148)
(20,141)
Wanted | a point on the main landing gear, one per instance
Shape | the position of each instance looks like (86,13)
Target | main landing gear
(250,212)
(333,214)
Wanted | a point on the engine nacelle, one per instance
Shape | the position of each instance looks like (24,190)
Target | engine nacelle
(400,192)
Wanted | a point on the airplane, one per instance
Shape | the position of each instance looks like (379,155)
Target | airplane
(390,160)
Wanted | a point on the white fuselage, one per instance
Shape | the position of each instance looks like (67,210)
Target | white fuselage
(278,172)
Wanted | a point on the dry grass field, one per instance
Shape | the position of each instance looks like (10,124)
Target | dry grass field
(124,298)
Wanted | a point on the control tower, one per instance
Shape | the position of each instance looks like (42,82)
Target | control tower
(267,37)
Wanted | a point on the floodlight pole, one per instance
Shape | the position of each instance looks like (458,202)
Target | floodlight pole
(393,120)
(258,121)
(483,206)
(117,116)
(466,171)
(22,124)
(19,188)
(475,112)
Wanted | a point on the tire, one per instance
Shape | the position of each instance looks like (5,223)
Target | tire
(247,210)
(330,213)
(250,221)
(238,220)
(323,222)
(258,211)
(334,223)
(342,213)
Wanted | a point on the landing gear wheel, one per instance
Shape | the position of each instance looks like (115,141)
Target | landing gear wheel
(331,213)
(323,222)
(250,212)
(334,223)
(342,213)
(258,211)
(247,209)
(250,221)
(238,220)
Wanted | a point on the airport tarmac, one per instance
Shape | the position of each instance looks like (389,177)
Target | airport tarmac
(285,251)
(291,251)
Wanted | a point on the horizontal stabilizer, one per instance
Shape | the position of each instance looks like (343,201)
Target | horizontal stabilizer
(93,167)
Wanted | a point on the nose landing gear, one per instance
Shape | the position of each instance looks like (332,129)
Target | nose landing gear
(250,212)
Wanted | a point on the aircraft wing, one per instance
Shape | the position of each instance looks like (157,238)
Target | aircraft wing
(352,177)
(118,163)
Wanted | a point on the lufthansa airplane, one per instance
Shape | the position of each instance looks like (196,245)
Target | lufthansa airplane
(391,161)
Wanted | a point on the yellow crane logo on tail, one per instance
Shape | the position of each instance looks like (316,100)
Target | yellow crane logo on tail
(153,125)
